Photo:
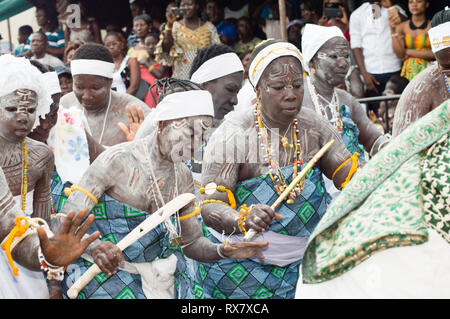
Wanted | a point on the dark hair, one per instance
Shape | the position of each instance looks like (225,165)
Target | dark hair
(243,54)
(145,17)
(313,5)
(44,68)
(167,86)
(41,33)
(93,51)
(207,53)
(26,29)
(51,14)
(113,33)
(399,83)
(153,34)
(440,17)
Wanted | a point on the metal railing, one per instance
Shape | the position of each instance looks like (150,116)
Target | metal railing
(379,99)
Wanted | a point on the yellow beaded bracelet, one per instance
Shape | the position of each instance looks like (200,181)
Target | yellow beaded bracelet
(69,191)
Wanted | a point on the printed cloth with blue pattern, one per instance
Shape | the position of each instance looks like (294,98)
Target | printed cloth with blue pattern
(115,220)
(244,278)
(350,133)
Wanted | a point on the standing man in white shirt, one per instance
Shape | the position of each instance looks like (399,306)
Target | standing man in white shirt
(371,42)
(39,45)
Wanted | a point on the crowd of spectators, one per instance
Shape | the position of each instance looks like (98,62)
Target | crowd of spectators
(388,38)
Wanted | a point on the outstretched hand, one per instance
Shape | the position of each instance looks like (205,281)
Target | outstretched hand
(244,250)
(135,119)
(68,243)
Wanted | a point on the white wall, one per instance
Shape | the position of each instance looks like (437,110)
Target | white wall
(26,17)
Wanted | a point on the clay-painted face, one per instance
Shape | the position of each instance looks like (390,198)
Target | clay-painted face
(332,61)
(17,114)
(181,138)
(224,91)
(443,59)
(41,132)
(92,91)
(280,89)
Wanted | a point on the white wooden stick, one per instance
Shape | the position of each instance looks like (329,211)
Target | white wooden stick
(147,225)
(252,233)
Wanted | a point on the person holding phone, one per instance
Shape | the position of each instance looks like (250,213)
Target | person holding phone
(336,13)
(184,34)
(371,43)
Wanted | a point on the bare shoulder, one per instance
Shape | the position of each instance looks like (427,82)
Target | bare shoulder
(39,152)
(121,100)
(345,97)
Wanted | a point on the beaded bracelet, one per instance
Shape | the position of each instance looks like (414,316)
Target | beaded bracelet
(219,253)
(52,272)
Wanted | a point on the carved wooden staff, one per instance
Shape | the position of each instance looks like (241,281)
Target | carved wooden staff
(252,233)
(147,225)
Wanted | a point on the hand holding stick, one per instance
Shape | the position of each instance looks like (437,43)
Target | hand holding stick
(252,233)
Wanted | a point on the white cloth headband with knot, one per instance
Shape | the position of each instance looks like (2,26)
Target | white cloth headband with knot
(270,53)
(92,67)
(184,104)
(217,67)
(440,37)
(314,36)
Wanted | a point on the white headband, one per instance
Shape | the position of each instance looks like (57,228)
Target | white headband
(92,67)
(314,36)
(51,80)
(270,53)
(440,37)
(184,104)
(19,73)
(218,67)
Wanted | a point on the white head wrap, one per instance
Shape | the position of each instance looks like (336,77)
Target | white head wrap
(92,67)
(218,67)
(19,73)
(184,104)
(440,37)
(270,53)
(52,81)
(176,106)
(314,36)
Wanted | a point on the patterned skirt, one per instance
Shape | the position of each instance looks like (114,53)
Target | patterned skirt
(115,220)
(245,278)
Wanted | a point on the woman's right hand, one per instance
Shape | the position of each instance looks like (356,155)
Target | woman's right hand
(371,82)
(260,217)
(107,256)
(171,18)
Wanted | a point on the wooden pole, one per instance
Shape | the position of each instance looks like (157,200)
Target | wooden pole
(282,10)
(9,36)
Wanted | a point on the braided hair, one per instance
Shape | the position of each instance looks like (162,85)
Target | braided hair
(207,53)
(168,86)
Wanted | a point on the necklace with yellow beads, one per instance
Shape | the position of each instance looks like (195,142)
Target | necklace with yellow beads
(24,175)
(275,173)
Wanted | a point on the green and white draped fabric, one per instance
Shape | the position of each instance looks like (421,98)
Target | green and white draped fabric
(394,201)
